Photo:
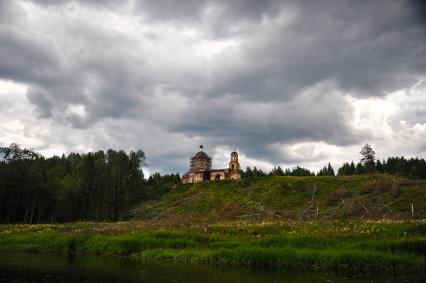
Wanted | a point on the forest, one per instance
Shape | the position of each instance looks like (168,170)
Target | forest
(106,185)
(96,186)
(412,168)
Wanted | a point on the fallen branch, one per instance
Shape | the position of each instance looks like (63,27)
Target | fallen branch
(387,205)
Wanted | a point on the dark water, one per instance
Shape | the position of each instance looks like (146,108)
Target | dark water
(24,267)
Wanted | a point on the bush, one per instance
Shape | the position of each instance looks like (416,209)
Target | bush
(337,195)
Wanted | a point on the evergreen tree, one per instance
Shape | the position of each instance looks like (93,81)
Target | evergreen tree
(368,158)
(414,173)
(379,166)
(359,169)
(330,170)
(300,171)
(322,172)
(347,169)
(258,172)
(343,170)
(277,171)
(249,172)
(352,168)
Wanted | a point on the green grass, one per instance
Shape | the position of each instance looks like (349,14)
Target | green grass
(296,198)
(372,246)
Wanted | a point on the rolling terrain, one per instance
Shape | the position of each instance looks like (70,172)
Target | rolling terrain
(294,198)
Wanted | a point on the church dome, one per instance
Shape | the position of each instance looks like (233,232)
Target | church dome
(202,155)
(200,161)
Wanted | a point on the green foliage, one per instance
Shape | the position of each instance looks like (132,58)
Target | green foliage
(252,173)
(347,169)
(413,168)
(326,171)
(368,158)
(299,171)
(277,171)
(93,186)
(158,185)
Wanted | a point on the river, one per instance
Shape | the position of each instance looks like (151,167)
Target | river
(25,267)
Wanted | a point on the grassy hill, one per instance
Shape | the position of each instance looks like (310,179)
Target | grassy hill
(296,198)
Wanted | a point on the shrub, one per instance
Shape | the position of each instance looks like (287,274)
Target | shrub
(337,195)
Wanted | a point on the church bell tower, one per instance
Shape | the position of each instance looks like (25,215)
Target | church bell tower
(234,166)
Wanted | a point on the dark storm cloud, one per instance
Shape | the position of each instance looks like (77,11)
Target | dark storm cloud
(92,76)
(282,79)
(25,57)
(367,54)
(273,122)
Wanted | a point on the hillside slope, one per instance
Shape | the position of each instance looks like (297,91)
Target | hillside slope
(279,198)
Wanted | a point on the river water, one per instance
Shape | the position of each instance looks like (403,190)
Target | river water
(25,267)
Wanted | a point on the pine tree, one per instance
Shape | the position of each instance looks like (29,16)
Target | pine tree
(368,158)
(367,154)
(360,169)
(379,166)
(249,172)
(352,169)
(330,170)
(322,172)
(276,171)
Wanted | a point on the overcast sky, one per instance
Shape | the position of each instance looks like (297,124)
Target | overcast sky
(288,82)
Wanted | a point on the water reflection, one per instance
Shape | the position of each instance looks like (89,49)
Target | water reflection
(23,267)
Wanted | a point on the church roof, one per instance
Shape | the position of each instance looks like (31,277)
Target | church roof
(201,155)
(200,161)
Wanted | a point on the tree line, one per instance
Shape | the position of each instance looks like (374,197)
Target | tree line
(413,168)
(94,186)
(276,171)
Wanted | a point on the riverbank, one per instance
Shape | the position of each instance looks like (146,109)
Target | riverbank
(367,246)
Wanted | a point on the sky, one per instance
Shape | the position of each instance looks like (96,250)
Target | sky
(286,82)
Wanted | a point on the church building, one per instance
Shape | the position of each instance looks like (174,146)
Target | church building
(200,169)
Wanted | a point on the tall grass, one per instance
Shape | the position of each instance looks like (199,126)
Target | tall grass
(361,245)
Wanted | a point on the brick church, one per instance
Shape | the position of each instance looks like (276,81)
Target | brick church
(201,169)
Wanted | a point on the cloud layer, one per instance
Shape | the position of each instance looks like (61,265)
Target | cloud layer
(289,82)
